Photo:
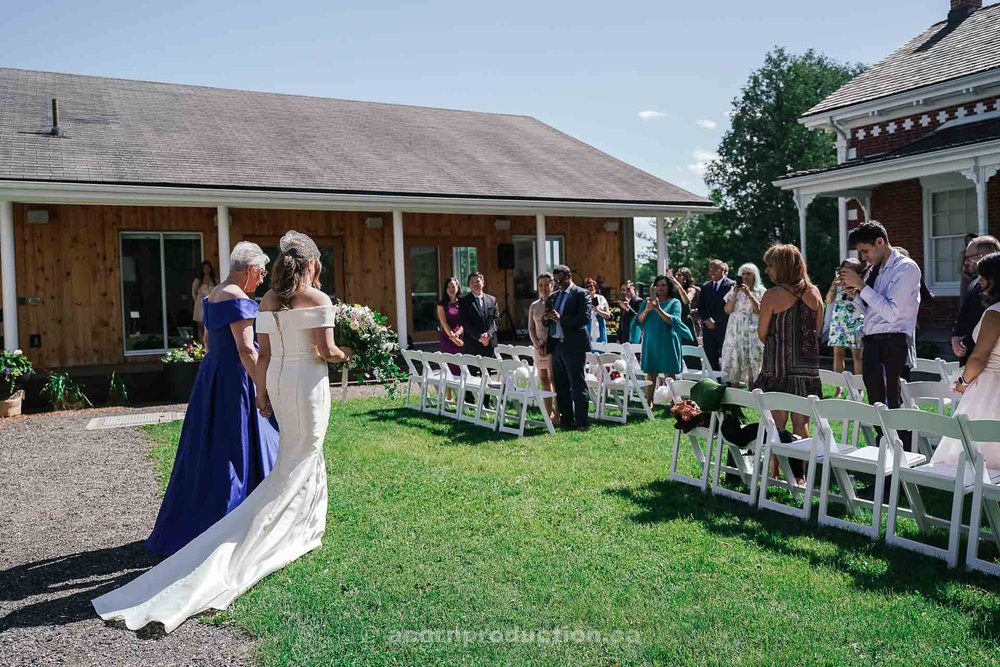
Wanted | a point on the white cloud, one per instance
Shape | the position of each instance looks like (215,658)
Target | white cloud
(650,114)
(702,159)
(707,124)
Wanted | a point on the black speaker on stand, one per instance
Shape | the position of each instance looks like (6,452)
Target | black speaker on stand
(505,262)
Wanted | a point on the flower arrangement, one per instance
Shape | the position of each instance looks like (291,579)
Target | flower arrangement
(12,366)
(188,353)
(367,332)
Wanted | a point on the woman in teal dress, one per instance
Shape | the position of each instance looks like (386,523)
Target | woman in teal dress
(662,332)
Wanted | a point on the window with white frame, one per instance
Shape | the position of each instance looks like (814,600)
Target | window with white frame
(949,215)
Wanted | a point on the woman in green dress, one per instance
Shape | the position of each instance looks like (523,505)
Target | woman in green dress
(662,332)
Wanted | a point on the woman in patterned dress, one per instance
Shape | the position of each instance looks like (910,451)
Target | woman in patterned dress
(846,321)
(742,350)
(791,317)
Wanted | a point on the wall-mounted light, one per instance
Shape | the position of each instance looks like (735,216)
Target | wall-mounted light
(38,216)
(502,224)
(611,226)
(373,223)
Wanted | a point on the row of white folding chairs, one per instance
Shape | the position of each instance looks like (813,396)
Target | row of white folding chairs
(615,385)
(496,386)
(839,459)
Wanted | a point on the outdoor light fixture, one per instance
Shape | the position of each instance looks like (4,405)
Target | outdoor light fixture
(37,216)
(373,223)
(502,224)
(611,226)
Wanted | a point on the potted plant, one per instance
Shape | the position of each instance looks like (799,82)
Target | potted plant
(12,366)
(180,366)
(64,393)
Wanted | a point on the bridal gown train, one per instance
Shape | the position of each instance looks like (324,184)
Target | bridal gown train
(282,519)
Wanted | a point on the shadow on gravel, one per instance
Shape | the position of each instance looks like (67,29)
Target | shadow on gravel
(67,584)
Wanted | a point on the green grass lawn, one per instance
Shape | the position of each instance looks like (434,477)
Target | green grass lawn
(436,526)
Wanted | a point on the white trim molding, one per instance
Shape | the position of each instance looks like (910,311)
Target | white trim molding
(7,266)
(931,187)
(980,176)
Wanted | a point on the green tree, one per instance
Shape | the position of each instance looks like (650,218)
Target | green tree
(765,142)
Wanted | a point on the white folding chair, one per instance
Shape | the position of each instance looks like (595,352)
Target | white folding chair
(855,430)
(525,394)
(472,385)
(613,391)
(614,348)
(935,395)
(950,370)
(681,390)
(856,383)
(985,492)
(504,351)
(594,377)
(434,374)
(807,450)
(841,458)
(414,377)
(696,352)
(746,459)
(451,383)
(928,366)
(636,385)
(957,479)
(495,377)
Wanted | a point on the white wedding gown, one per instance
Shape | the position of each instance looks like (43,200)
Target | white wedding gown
(282,519)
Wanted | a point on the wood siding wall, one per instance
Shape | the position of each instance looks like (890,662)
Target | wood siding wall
(72,263)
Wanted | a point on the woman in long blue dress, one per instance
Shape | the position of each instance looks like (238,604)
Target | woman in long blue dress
(663,332)
(226,448)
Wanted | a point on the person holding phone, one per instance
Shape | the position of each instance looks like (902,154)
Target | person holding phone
(847,323)
(742,349)
(629,303)
(712,311)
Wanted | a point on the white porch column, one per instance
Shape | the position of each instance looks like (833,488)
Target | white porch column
(802,202)
(10,342)
(661,245)
(222,222)
(842,227)
(399,270)
(981,176)
(540,261)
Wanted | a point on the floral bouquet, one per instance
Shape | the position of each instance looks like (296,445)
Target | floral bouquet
(12,366)
(367,332)
(185,354)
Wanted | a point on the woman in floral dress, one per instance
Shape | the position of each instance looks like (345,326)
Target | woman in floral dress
(742,350)
(846,321)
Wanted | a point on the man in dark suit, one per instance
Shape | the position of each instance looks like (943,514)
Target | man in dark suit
(567,310)
(478,312)
(712,310)
(972,308)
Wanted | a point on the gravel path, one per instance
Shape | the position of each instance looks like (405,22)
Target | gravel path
(76,505)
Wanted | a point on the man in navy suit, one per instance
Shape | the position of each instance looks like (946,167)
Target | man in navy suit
(712,310)
(477,311)
(567,311)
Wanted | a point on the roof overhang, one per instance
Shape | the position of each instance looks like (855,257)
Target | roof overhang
(847,181)
(49,192)
(955,91)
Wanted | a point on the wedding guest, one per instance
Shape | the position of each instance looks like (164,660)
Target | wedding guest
(449,322)
(663,332)
(846,322)
(972,308)
(200,288)
(889,298)
(966,277)
(693,292)
(629,303)
(538,332)
(567,311)
(712,311)
(226,449)
(477,312)
(791,317)
(600,313)
(742,349)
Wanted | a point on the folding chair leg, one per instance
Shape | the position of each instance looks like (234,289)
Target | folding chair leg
(955,531)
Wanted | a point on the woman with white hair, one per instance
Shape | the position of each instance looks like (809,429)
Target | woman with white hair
(742,349)
(226,448)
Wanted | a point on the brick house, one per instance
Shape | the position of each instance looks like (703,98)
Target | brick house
(918,148)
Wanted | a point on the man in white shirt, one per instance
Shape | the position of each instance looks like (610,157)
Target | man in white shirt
(890,300)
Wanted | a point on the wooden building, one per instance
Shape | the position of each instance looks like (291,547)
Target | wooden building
(109,205)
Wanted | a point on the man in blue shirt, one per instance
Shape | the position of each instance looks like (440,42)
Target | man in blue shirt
(890,300)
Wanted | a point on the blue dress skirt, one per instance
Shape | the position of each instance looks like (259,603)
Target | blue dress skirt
(226,449)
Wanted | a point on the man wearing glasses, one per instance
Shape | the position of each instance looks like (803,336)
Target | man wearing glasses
(972,307)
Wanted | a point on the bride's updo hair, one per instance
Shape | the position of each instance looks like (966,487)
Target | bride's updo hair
(290,274)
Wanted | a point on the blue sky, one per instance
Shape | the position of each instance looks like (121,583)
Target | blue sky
(588,68)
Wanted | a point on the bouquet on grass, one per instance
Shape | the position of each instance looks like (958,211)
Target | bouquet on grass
(367,332)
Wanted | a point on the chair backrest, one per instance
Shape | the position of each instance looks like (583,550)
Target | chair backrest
(933,393)
(615,348)
(631,355)
(525,352)
(466,362)
(777,400)
(918,421)
(490,368)
(846,412)
(507,369)
(978,431)
(432,362)
(505,351)
(949,370)
(929,366)
(834,379)
(680,389)
(856,383)
(447,360)
(740,397)
(411,357)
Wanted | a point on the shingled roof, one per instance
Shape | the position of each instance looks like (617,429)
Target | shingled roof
(943,52)
(137,132)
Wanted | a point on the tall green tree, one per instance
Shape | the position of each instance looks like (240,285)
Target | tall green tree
(765,142)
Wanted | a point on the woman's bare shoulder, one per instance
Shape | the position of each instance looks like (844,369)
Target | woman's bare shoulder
(270,302)
(225,292)
(310,298)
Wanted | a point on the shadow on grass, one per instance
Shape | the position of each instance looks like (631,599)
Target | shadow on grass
(84,576)
(903,572)
(452,431)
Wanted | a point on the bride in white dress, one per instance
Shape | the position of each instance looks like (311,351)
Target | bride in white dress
(980,379)
(285,516)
